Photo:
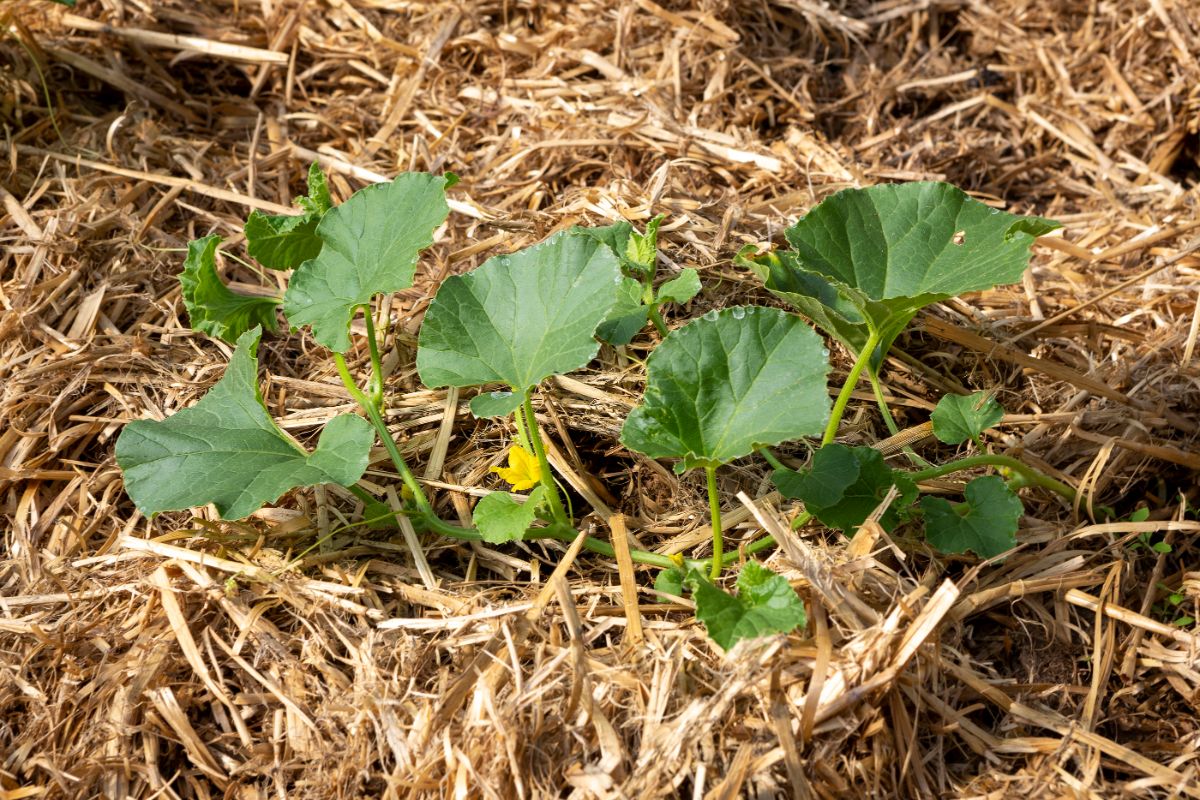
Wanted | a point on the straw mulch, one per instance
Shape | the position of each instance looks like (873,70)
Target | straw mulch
(297,654)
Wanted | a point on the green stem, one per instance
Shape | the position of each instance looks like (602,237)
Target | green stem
(771,458)
(375,386)
(1032,476)
(539,450)
(376,418)
(890,421)
(714,511)
(522,436)
(843,398)
(559,532)
(656,318)
(801,520)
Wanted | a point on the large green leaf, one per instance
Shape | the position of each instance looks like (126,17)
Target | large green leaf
(887,251)
(370,246)
(227,450)
(766,603)
(986,524)
(284,241)
(214,308)
(845,484)
(519,318)
(958,418)
(729,381)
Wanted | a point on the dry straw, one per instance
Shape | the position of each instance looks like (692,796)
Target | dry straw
(300,655)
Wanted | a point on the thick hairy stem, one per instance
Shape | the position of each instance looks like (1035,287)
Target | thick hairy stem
(375,416)
(1031,476)
(375,386)
(714,511)
(843,398)
(539,450)
(657,319)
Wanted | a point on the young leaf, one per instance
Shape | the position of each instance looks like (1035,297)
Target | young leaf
(214,308)
(957,418)
(227,450)
(641,251)
(627,317)
(845,484)
(519,318)
(615,237)
(500,518)
(888,251)
(986,527)
(726,382)
(495,404)
(670,581)
(681,288)
(765,604)
(284,241)
(370,245)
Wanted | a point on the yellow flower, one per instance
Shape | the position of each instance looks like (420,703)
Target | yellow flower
(523,471)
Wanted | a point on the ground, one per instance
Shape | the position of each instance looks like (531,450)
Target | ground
(297,654)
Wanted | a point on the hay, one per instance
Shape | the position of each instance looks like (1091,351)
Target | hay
(297,655)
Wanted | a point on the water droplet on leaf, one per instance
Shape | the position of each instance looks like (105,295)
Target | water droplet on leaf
(738,312)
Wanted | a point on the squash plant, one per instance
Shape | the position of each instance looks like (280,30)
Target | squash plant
(722,387)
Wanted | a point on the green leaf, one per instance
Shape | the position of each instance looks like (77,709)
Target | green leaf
(283,241)
(370,246)
(519,318)
(627,317)
(501,518)
(765,604)
(212,307)
(888,251)
(681,288)
(379,516)
(845,484)
(641,251)
(986,526)
(495,404)
(670,581)
(280,241)
(726,382)
(227,450)
(958,418)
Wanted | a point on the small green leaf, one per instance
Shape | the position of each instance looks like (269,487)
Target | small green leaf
(765,604)
(615,237)
(1161,547)
(379,516)
(226,450)
(500,517)
(627,317)
(370,245)
(959,418)
(641,251)
(883,253)
(519,318)
(726,382)
(845,484)
(987,526)
(212,307)
(1140,515)
(681,288)
(495,404)
(283,241)
(670,581)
